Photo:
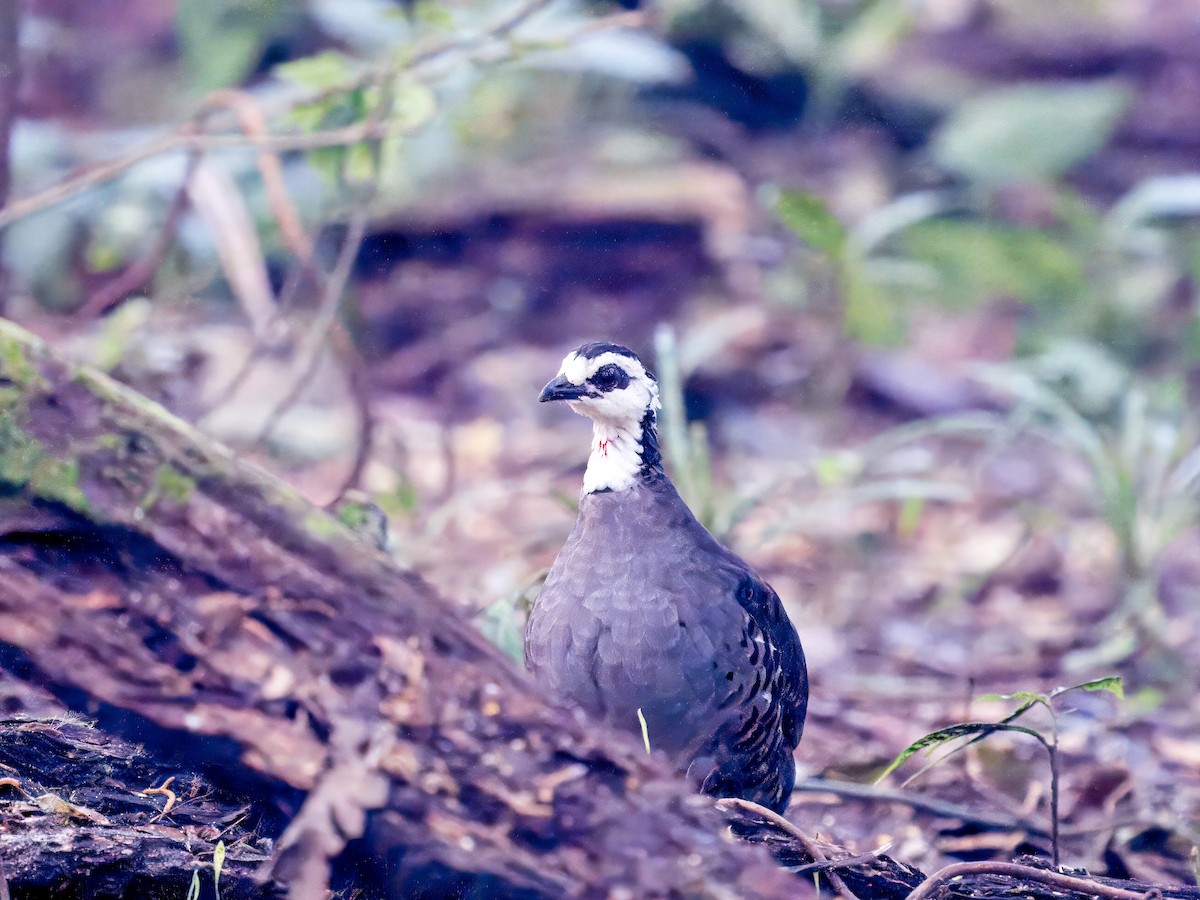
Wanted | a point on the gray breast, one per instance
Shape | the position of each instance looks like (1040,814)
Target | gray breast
(640,611)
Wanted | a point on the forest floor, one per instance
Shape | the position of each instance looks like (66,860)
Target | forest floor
(927,568)
(922,572)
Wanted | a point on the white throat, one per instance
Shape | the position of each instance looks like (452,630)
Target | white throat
(616,457)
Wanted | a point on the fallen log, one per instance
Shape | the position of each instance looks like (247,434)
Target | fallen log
(203,608)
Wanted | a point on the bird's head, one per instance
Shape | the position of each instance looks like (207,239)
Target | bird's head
(607,383)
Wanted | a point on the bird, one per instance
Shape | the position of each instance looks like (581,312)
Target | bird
(650,624)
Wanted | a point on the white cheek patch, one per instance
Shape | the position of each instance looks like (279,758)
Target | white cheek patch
(622,407)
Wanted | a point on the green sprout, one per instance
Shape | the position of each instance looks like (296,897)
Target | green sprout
(978,731)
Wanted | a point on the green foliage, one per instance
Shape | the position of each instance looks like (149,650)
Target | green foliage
(403,500)
(1026,700)
(1097,277)
(345,97)
(810,220)
(321,71)
(974,732)
(222,39)
(1028,132)
(501,625)
(935,739)
(218,865)
(1139,448)
(503,621)
(977,260)
(868,314)
(24,460)
(833,42)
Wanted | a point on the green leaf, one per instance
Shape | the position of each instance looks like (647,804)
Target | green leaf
(1028,702)
(871,314)
(977,261)
(221,40)
(360,164)
(810,219)
(194,889)
(1114,684)
(433,14)
(871,36)
(320,71)
(413,104)
(935,739)
(909,518)
(1029,131)
(836,468)
(929,742)
(1019,696)
(503,625)
(218,865)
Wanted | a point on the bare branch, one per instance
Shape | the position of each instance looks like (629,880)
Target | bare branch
(185,139)
(1083,886)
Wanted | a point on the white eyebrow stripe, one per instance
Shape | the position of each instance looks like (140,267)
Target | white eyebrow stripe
(574,368)
(579,369)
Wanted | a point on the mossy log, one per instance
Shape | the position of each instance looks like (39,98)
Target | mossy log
(198,606)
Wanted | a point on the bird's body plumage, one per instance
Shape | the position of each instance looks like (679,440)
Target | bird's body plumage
(646,612)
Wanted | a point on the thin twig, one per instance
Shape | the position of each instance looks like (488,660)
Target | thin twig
(874,794)
(262,344)
(847,862)
(421,58)
(221,205)
(187,141)
(360,392)
(314,340)
(253,122)
(316,337)
(1085,886)
(517,17)
(797,835)
(184,140)
(1052,749)
(139,273)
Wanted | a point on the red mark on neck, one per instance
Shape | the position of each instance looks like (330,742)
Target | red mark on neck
(602,446)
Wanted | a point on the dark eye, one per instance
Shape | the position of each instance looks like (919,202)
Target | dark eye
(609,378)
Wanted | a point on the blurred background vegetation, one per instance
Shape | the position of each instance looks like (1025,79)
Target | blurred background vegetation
(919,278)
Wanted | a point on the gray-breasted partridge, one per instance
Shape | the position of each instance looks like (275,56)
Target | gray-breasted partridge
(645,611)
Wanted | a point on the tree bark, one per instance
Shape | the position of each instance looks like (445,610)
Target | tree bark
(82,812)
